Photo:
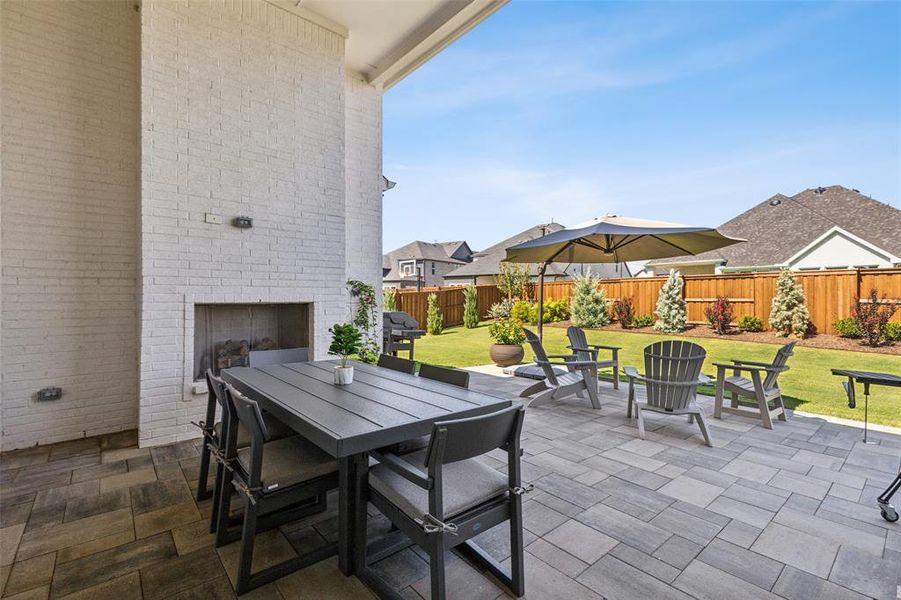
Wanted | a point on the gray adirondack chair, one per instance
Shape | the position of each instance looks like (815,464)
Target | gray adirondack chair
(760,389)
(672,375)
(578,343)
(581,376)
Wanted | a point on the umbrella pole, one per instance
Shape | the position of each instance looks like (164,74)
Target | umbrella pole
(541,269)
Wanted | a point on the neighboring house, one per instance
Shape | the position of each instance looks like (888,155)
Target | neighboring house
(423,263)
(133,135)
(822,228)
(485,265)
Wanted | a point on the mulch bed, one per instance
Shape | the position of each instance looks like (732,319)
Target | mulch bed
(826,341)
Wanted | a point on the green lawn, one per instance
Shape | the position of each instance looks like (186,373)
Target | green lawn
(808,385)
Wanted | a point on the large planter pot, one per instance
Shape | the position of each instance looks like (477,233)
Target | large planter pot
(505,355)
(344,375)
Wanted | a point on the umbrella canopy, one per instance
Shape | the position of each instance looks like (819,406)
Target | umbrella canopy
(618,239)
(614,239)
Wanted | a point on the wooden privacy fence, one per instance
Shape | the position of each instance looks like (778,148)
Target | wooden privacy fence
(829,294)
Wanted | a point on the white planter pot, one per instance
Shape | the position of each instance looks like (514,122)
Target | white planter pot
(344,375)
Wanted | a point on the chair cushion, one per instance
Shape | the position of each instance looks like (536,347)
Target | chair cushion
(289,461)
(467,483)
(277,430)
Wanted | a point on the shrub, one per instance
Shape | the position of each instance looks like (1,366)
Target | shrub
(892,332)
(670,310)
(643,320)
(555,310)
(389,296)
(521,311)
(470,306)
(750,323)
(847,328)
(346,340)
(624,311)
(513,280)
(589,304)
(500,310)
(788,315)
(871,316)
(719,314)
(507,331)
(434,319)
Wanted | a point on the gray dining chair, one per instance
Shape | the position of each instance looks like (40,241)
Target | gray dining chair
(213,442)
(397,364)
(579,345)
(581,376)
(443,496)
(761,387)
(672,376)
(455,377)
(280,481)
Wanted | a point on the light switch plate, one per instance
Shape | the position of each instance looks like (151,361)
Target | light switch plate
(213,219)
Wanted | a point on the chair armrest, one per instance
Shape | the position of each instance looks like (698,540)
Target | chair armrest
(632,373)
(704,379)
(605,347)
(403,468)
(749,369)
(751,362)
(563,356)
(578,349)
(568,363)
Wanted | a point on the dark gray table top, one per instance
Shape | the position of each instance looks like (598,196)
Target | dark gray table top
(870,377)
(380,407)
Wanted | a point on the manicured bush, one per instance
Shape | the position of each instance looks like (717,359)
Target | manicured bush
(871,316)
(847,328)
(750,323)
(624,311)
(501,310)
(470,306)
(671,316)
(507,331)
(788,315)
(892,332)
(554,311)
(521,311)
(589,303)
(389,296)
(643,320)
(719,314)
(434,318)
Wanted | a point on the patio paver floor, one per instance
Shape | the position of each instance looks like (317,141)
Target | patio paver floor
(788,513)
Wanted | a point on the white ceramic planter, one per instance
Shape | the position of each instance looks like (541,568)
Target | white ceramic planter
(344,375)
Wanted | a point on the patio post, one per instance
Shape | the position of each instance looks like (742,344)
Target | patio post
(541,269)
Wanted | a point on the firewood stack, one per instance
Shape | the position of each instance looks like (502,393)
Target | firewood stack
(233,354)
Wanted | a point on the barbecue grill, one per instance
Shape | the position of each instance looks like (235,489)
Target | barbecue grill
(399,332)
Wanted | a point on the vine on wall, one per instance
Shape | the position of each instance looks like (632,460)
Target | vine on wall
(364,318)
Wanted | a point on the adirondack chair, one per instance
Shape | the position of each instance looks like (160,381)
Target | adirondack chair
(761,389)
(581,376)
(578,343)
(672,375)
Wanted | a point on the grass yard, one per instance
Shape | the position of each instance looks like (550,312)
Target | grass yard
(808,385)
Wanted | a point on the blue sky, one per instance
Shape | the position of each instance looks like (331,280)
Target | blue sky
(688,112)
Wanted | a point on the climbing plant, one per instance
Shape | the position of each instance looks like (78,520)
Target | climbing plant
(364,317)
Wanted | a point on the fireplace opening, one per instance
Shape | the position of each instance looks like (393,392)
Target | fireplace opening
(238,335)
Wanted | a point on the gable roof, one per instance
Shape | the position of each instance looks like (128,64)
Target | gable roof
(781,226)
(419,250)
(487,261)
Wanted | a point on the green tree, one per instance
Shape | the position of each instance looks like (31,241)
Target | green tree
(513,280)
(589,302)
(671,317)
(470,306)
(434,319)
(788,315)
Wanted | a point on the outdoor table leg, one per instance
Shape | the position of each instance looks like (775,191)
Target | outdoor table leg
(347,480)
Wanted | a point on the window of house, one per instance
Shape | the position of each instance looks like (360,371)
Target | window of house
(407,268)
(433,267)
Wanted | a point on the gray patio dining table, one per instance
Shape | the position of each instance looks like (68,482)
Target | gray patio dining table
(379,408)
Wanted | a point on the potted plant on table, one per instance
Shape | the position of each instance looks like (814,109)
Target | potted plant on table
(347,340)
(508,338)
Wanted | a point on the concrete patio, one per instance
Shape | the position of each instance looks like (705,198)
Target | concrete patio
(785,513)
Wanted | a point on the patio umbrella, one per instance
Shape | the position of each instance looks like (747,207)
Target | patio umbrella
(613,238)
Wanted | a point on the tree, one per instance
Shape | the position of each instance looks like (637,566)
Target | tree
(470,306)
(589,303)
(671,317)
(788,315)
(434,319)
(513,280)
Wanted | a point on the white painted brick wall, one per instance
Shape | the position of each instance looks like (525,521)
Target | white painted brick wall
(70,126)
(244,114)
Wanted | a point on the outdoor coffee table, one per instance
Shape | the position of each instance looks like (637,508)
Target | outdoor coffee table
(381,407)
(868,378)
